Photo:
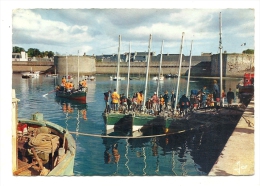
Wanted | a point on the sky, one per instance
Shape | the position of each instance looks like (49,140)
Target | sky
(93,27)
(96,30)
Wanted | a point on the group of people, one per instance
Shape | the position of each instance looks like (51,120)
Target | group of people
(68,86)
(156,104)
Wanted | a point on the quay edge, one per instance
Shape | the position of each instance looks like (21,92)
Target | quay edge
(237,157)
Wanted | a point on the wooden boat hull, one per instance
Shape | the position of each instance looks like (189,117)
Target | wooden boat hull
(66,166)
(77,95)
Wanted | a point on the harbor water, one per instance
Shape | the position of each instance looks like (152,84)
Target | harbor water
(192,153)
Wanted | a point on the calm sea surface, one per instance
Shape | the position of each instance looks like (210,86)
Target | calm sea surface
(191,153)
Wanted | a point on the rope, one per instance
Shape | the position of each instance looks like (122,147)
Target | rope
(47,143)
(250,124)
(130,137)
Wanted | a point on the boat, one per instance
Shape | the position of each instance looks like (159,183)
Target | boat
(87,77)
(79,94)
(161,78)
(32,74)
(246,87)
(170,75)
(40,147)
(115,78)
(52,75)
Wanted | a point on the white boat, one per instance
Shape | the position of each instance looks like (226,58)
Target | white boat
(31,74)
(115,78)
(87,77)
(160,79)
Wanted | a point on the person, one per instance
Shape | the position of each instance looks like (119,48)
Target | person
(166,98)
(204,94)
(106,99)
(123,102)
(184,103)
(155,101)
(161,103)
(134,102)
(223,95)
(216,92)
(230,97)
(115,100)
(129,103)
(140,99)
(173,98)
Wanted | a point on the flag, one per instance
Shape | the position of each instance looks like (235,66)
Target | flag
(244,44)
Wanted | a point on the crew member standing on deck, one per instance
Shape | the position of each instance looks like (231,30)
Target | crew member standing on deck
(173,99)
(140,99)
(166,98)
(230,97)
(155,101)
(216,92)
(115,99)
(106,99)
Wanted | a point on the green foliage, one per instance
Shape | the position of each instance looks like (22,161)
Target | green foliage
(33,52)
(17,49)
(248,51)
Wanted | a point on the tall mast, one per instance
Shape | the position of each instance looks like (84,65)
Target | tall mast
(188,84)
(78,68)
(66,68)
(128,76)
(220,56)
(160,68)
(118,63)
(147,70)
(179,74)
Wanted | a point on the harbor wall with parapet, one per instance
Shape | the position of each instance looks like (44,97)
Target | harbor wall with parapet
(234,65)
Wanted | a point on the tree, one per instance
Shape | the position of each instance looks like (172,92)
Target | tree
(17,49)
(33,52)
(248,51)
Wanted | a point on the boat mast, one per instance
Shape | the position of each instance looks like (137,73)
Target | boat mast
(160,68)
(118,63)
(78,68)
(147,71)
(179,74)
(128,76)
(66,68)
(188,84)
(220,57)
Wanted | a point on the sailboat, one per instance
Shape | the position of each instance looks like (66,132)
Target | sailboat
(118,121)
(77,94)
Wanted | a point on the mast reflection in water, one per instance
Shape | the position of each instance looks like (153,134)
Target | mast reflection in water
(191,153)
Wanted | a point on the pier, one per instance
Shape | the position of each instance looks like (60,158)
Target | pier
(237,157)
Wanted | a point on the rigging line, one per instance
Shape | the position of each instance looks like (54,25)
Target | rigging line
(128,137)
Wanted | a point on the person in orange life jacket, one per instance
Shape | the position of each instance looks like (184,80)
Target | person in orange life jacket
(161,103)
(115,99)
(140,99)
(166,98)
(223,95)
(106,99)
(184,103)
(230,97)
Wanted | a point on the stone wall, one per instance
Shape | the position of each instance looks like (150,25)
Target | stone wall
(234,65)
(87,65)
